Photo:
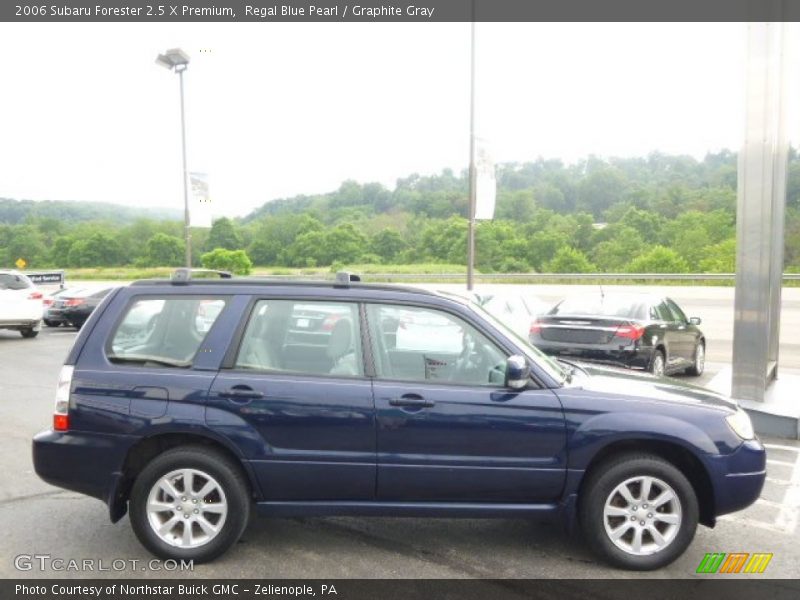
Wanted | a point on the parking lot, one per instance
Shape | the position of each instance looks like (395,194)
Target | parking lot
(40,519)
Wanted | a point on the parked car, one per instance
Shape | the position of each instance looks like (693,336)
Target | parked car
(634,330)
(75,306)
(190,430)
(54,319)
(20,304)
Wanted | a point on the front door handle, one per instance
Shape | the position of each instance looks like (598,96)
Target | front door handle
(241,393)
(411,400)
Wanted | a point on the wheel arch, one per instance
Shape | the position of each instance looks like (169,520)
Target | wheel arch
(674,453)
(146,449)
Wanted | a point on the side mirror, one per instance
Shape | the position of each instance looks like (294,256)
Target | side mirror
(695,320)
(518,373)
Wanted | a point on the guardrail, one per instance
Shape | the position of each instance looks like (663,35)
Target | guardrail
(510,277)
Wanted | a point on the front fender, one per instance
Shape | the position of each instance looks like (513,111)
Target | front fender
(599,431)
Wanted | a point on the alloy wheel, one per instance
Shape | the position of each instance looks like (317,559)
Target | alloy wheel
(642,515)
(187,508)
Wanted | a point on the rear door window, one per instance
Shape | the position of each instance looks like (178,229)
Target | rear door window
(676,311)
(165,331)
(664,313)
(293,336)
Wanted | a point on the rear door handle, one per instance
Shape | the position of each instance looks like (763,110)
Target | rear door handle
(241,393)
(411,400)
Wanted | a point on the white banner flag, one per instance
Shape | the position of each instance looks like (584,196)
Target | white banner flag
(200,202)
(485,182)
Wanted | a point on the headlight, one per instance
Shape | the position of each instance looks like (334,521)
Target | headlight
(741,424)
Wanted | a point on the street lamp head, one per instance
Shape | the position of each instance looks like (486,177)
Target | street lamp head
(173,59)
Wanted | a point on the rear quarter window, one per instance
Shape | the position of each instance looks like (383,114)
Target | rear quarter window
(163,331)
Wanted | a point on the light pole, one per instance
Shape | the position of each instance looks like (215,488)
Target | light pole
(177,60)
(472,171)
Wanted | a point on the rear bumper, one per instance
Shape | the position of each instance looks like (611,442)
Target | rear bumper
(83,462)
(635,357)
(20,323)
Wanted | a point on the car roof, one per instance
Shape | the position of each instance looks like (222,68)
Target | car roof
(615,295)
(266,282)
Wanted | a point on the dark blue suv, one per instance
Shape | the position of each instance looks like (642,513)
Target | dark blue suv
(193,402)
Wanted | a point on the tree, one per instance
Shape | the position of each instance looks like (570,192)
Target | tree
(98,250)
(612,255)
(388,244)
(164,250)
(569,260)
(719,258)
(235,261)
(223,235)
(26,243)
(658,260)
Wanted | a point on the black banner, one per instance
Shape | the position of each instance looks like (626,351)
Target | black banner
(399,589)
(153,11)
(46,277)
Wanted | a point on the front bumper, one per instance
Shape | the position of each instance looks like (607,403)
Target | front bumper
(84,462)
(738,478)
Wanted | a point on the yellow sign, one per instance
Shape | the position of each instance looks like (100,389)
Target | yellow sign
(21,263)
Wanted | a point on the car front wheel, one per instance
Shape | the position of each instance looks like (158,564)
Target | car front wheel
(30,332)
(638,512)
(190,503)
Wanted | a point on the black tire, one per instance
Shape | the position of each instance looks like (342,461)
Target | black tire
(597,489)
(224,470)
(29,333)
(658,355)
(50,323)
(697,369)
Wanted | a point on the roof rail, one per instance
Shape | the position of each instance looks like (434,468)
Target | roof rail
(343,279)
(184,275)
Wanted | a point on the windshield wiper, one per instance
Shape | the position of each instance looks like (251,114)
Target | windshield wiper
(156,360)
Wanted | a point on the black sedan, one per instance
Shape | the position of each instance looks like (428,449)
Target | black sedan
(74,307)
(638,331)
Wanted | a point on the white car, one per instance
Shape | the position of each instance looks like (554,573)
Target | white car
(20,304)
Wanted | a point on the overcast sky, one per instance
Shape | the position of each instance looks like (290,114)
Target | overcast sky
(275,110)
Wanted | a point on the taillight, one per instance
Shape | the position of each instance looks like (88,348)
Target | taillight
(630,332)
(35,296)
(61,412)
(536,328)
(48,301)
(74,302)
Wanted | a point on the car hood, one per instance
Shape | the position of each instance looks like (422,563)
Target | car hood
(617,381)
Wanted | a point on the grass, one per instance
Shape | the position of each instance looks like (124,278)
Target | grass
(420,272)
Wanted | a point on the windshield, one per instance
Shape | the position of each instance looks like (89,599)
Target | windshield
(549,364)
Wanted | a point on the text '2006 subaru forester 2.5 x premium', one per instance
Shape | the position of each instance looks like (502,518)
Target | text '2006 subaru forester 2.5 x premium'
(342,398)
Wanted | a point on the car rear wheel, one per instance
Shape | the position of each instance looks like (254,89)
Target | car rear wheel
(50,323)
(190,503)
(30,332)
(699,360)
(638,512)
(657,365)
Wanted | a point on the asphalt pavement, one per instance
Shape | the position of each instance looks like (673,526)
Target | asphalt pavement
(42,520)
